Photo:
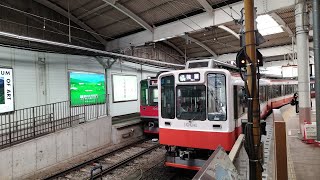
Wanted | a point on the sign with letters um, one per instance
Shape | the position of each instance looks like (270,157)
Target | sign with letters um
(6,90)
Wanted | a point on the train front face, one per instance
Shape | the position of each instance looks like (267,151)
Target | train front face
(149,106)
(195,115)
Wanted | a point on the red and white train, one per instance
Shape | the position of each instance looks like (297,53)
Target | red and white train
(202,107)
(149,105)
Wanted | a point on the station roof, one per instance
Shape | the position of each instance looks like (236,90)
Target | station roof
(199,28)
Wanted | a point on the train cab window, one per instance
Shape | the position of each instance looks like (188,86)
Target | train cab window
(167,97)
(144,93)
(153,96)
(312,87)
(217,100)
(191,102)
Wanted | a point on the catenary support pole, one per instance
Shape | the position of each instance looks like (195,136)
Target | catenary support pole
(316,34)
(254,112)
(303,62)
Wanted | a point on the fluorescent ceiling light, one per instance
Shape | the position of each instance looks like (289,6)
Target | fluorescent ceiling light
(267,25)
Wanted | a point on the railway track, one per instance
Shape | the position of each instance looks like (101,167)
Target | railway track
(102,165)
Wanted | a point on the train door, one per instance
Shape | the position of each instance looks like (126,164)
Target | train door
(144,92)
(239,106)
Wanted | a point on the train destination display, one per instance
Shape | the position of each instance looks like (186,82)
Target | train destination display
(125,88)
(87,88)
(6,90)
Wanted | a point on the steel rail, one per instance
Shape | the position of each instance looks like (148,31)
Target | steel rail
(86,163)
(123,162)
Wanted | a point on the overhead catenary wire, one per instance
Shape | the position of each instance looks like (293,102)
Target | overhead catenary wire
(198,24)
(231,8)
(105,36)
(46,29)
(185,15)
(144,60)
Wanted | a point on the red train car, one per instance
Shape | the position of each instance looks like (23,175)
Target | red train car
(149,105)
(203,107)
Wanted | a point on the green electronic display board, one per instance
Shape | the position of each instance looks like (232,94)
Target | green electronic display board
(87,88)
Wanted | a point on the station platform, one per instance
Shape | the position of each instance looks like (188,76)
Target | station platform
(303,159)
(125,118)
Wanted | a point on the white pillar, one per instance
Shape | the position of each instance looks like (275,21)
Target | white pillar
(302,41)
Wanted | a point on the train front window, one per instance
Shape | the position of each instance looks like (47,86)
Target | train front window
(144,93)
(167,97)
(191,102)
(217,101)
(153,96)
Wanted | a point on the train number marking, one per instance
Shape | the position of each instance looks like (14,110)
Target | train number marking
(190,124)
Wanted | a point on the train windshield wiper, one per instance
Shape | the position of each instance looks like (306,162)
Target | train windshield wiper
(193,117)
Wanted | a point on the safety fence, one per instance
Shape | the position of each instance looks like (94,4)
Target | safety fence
(28,123)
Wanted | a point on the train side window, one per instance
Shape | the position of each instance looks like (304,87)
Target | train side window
(167,97)
(261,93)
(153,96)
(280,90)
(144,92)
(267,93)
(217,97)
(276,91)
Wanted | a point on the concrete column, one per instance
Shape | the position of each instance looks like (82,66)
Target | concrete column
(302,41)
(316,41)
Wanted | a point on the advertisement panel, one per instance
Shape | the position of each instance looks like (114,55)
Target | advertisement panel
(125,88)
(6,90)
(87,88)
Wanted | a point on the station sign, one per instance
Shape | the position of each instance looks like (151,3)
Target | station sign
(189,77)
(6,90)
(153,82)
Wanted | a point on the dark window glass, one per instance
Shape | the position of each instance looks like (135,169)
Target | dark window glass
(144,93)
(239,101)
(167,97)
(191,102)
(153,96)
(217,97)
(198,64)
(261,92)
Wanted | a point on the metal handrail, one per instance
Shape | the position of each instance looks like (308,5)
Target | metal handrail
(28,123)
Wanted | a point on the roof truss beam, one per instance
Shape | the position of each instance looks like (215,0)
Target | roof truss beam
(202,20)
(206,6)
(188,38)
(129,13)
(65,13)
(210,10)
(229,31)
(266,52)
(174,47)
(92,11)
(279,20)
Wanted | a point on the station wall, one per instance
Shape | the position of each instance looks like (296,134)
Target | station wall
(42,78)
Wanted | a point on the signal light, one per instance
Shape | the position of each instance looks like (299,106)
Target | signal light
(242,56)
(259,58)
(241,59)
